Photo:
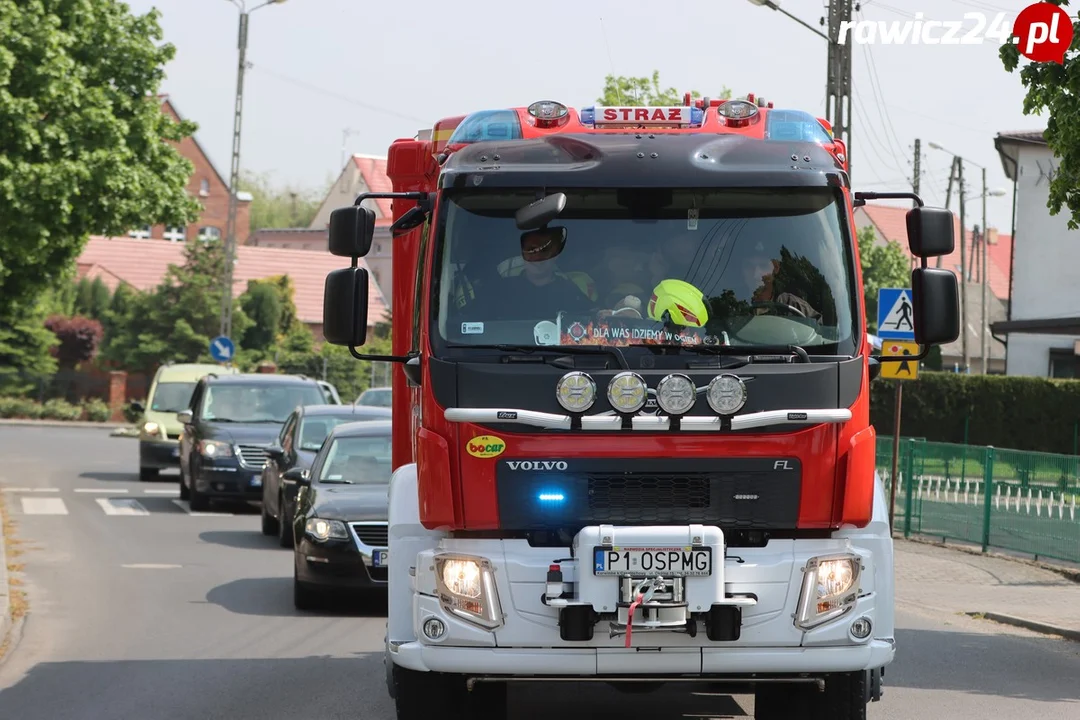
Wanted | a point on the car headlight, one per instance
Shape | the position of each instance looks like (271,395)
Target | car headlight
(466,588)
(830,588)
(322,530)
(576,392)
(627,392)
(215,449)
(676,394)
(151,428)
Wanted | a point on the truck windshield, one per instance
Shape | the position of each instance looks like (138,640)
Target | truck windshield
(760,267)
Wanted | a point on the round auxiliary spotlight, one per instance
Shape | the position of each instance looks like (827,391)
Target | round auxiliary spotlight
(676,394)
(576,392)
(726,394)
(627,392)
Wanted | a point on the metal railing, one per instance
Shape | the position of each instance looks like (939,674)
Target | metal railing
(994,497)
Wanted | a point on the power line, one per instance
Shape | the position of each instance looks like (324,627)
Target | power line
(879,97)
(863,117)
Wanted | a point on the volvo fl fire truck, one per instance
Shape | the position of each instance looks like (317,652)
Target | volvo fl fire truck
(631,433)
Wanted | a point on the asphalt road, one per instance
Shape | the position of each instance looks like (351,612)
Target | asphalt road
(172,615)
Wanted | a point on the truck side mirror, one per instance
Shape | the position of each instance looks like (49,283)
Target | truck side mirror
(935,306)
(351,231)
(345,307)
(930,232)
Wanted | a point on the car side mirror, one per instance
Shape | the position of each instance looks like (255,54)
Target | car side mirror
(297,475)
(345,307)
(352,229)
(935,305)
(931,232)
(184,417)
(276,452)
(138,406)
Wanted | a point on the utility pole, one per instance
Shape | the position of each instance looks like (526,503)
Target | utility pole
(234,179)
(918,170)
(963,269)
(948,193)
(984,344)
(838,87)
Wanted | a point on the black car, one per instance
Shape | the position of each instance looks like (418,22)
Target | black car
(231,422)
(296,446)
(341,519)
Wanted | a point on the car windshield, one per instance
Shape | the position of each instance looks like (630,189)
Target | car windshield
(376,398)
(172,396)
(257,403)
(357,461)
(314,429)
(649,267)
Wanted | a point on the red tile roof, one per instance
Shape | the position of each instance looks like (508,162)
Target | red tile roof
(891,224)
(373,170)
(143,263)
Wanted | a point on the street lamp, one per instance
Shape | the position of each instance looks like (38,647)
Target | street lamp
(983,345)
(775,5)
(234,170)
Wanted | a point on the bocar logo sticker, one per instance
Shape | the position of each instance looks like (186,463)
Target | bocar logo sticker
(485,446)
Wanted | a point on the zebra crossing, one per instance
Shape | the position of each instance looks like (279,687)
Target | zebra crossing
(112,502)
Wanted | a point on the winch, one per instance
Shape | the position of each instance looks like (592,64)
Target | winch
(657,603)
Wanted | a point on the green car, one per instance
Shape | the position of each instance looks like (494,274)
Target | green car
(159,433)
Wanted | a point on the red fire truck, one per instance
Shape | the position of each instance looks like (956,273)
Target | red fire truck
(631,432)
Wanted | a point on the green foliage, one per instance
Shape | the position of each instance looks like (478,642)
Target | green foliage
(883,266)
(92,299)
(645,91)
(96,410)
(81,133)
(26,361)
(273,207)
(1022,413)
(262,304)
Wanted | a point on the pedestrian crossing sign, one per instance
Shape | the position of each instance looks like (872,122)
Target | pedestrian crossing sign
(896,314)
(904,370)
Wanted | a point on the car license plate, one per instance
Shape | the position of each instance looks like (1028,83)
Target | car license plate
(380,558)
(643,562)
(256,481)
(176,452)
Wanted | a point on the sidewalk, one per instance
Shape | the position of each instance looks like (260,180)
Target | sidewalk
(953,581)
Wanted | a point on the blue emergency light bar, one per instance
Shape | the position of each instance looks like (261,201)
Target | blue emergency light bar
(795,126)
(487,125)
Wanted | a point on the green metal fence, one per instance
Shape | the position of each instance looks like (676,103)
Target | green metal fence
(993,497)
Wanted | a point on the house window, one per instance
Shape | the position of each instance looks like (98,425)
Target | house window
(142,233)
(204,187)
(209,233)
(1064,364)
(174,234)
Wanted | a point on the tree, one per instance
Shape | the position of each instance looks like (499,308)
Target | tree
(26,361)
(81,135)
(79,338)
(273,207)
(644,91)
(92,298)
(1053,87)
(883,266)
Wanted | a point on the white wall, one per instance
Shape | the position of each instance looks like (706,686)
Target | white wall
(1046,264)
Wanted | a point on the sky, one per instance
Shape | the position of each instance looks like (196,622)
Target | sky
(333,76)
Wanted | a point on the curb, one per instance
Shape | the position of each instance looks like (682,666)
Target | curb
(1065,572)
(1066,633)
(5,591)
(63,423)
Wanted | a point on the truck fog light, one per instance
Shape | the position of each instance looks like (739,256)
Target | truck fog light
(830,587)
(627,392)
(860,629)
(466,587)
(434,628)
(676,394)
(576,392)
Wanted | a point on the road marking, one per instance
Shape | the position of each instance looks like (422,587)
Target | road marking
(108,491)
(122,506)
(186,507)
(43,506)
(26,489)
(149,566)
(172,491)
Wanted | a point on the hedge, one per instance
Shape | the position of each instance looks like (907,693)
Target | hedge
(1023,413)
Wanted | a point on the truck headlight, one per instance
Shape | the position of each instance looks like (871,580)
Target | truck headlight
(466,588)
(322,530)
(215,449)
(829,589)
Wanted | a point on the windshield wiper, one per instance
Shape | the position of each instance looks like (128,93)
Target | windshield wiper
(336,482)
(553,349)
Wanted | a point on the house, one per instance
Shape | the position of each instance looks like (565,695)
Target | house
(890,223)
(1042,329)
(362,173)
(212,191)
(142,263)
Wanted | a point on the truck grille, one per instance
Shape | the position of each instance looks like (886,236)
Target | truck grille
(372,535)
(253,455)
(639,499)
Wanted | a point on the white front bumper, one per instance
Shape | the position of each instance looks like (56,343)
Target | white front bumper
(528,641)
